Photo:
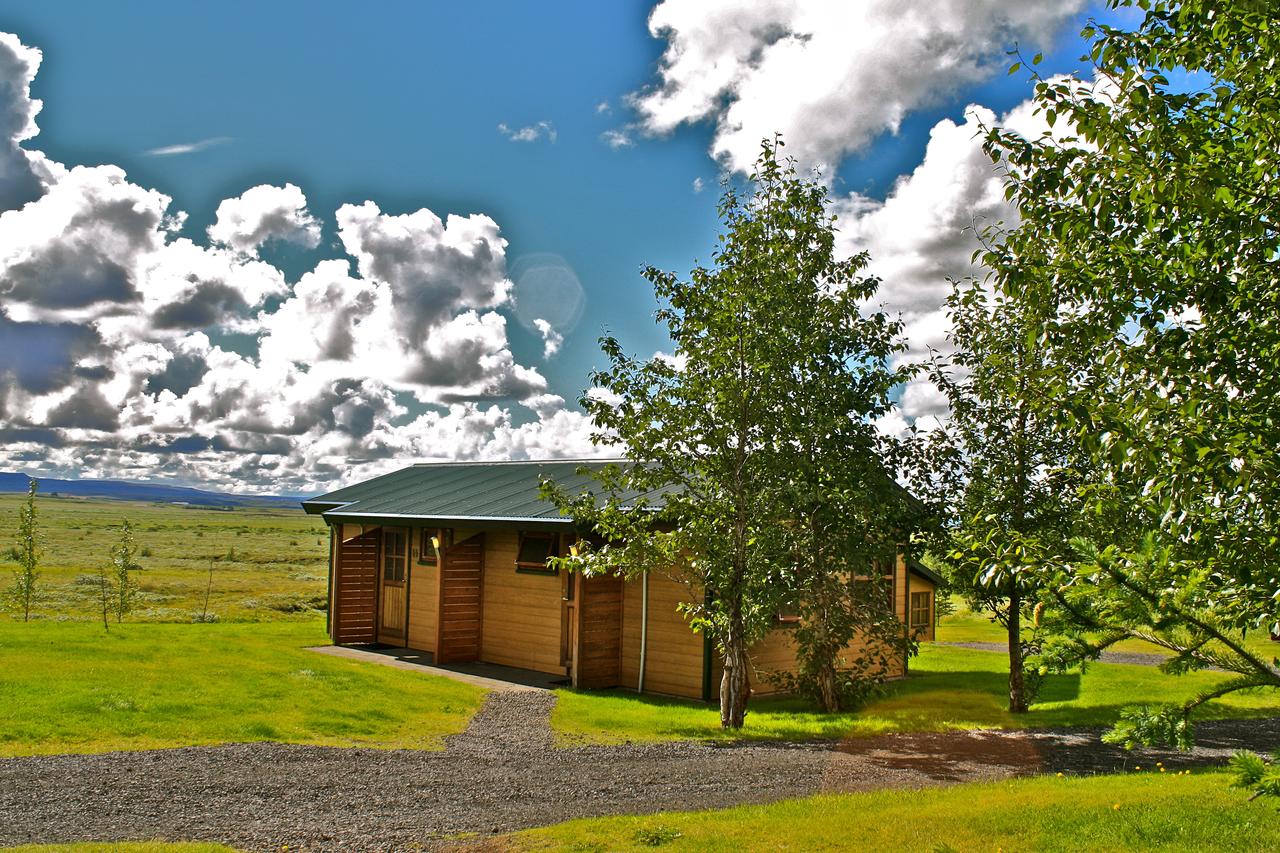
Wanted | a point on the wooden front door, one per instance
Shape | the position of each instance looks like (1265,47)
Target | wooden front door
(461,601)
(393,604)
(595,637)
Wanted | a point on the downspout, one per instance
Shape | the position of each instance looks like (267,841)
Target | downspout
(329,595)
(644,626)
(906,644)
(707,648)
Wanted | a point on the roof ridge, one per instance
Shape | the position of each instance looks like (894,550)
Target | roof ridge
(516,461)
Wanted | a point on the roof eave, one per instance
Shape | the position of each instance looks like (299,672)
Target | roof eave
(479,521)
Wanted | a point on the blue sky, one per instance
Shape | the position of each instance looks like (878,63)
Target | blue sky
(400,103)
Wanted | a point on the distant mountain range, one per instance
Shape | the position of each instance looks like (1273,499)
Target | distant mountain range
(125,490)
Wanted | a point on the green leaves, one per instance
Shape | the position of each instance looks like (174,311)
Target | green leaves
(1145,267)
(772,479)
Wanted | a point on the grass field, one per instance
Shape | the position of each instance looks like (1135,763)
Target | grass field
(1134,812)
(965,626)
(269,564)
(949,688)
(71,687)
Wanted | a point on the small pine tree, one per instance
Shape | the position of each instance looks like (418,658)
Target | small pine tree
(22,592)
(123,564)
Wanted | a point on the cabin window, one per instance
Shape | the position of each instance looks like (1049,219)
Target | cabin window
(921,609)
(788,616)
(394,557)
(534,551)
(427,555)
(887,584)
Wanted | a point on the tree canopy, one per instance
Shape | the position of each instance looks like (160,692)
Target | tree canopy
(1148,240)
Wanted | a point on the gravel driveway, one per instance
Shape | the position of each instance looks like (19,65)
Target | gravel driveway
(503,774)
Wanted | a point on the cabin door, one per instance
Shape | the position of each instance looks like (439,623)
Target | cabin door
(569,623)
(392,601)
(595,632)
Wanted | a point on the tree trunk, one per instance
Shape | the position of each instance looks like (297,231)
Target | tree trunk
(826,674)
(734,684)
(1017,691)
(827,686)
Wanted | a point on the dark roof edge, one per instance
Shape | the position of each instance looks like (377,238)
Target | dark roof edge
(498,522)
(477,462)
(918,568)
(315,507)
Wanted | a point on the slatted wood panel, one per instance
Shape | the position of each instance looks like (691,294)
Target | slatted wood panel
(599,635)
(461,602)
(355,586)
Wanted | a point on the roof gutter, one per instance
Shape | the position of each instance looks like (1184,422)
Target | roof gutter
(486,521)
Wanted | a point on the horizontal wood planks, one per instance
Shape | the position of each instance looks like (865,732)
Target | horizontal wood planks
(461,591)
(673,661)
(424,602)
(522,612)
(355,587)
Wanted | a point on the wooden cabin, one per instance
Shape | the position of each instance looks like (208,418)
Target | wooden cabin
(451,559)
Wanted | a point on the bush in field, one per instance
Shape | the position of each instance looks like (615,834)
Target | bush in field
(123,564)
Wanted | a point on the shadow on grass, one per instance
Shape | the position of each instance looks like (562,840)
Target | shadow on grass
(948,689)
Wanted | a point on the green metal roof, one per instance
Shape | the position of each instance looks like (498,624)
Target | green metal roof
(460,493)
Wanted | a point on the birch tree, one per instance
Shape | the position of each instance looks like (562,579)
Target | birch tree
(23,589)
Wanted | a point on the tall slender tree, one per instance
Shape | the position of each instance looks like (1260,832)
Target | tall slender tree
(124,563)
(24,587)
(728,439)
(1002,465)
(1150,222)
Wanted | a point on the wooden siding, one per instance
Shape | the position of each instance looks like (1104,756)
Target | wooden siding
(355,585)
(522,622)
(424,603)
(673,661)
(599,632)
(458,635)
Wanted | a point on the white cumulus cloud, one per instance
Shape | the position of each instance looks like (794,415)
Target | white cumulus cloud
(829,76)
(265,213)
(112,322)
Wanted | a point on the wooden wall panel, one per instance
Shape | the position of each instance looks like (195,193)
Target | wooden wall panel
(673,664)
(355,587)
(424,601)
(522,622)
(461,588)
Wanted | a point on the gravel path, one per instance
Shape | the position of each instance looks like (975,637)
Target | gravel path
(1136,658)
(503,774)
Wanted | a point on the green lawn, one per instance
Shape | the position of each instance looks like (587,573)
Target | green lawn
(949,688)
(1135,812)
(965,626)
(269,564)
(71,687)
